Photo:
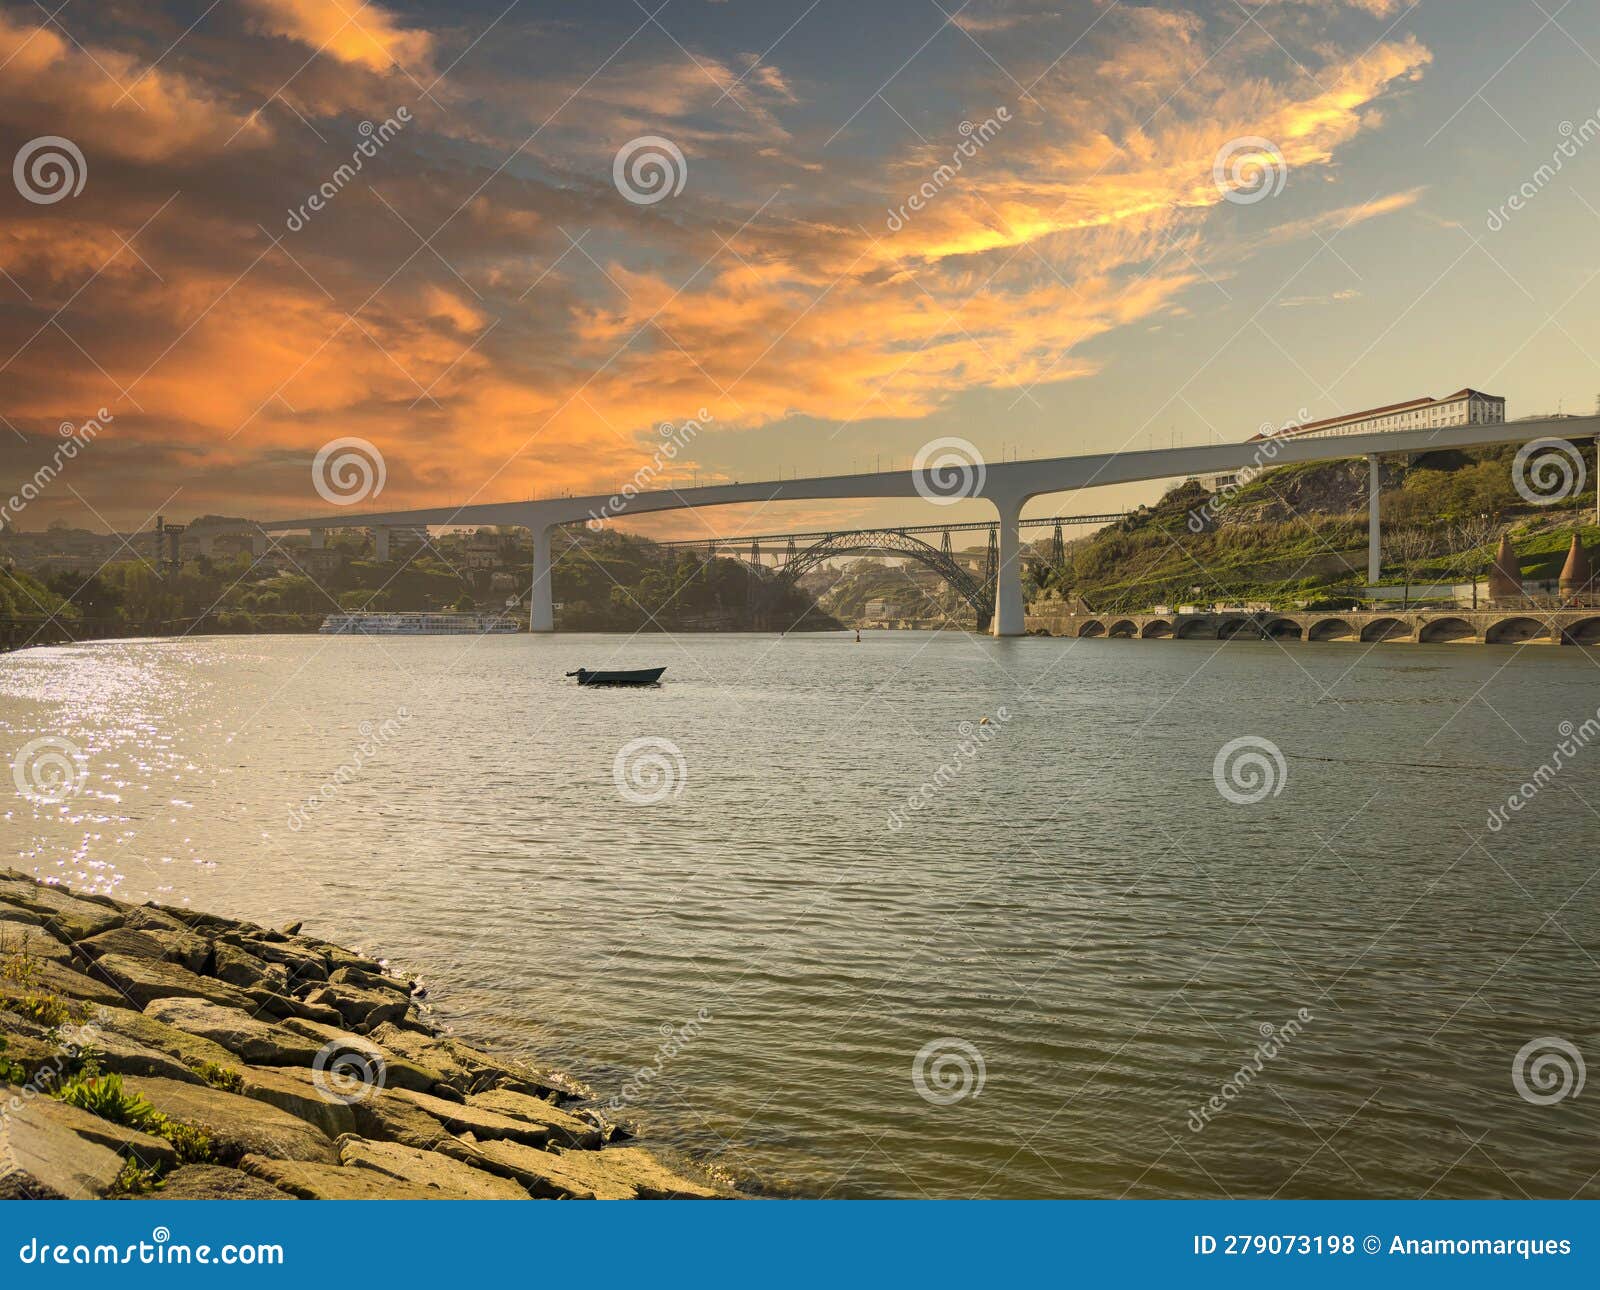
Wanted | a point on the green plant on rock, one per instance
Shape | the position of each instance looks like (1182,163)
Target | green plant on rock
(11,1072)
(51,1011)
(18,964)
(105,1096)
(135,1179)
(221,1077)
(193,1144)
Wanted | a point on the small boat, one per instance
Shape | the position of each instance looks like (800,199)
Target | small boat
(639,676)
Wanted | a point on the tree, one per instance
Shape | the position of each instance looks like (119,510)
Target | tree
(1411,547)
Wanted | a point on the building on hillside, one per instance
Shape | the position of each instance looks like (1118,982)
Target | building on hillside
(875,609)
(1464,407)
(317,560)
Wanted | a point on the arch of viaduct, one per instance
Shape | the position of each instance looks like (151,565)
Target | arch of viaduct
(1006,486)
(1507,626)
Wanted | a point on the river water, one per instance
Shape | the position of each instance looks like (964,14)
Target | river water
(825,864)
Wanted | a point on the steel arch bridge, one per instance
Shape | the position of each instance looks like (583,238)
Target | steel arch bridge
(978,593)
(796,554)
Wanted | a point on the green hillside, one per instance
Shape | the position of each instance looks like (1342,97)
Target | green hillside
(1298,534)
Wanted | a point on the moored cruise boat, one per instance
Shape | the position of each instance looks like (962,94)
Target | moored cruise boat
(401,624)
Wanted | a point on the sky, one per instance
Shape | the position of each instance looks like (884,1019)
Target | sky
(575,225)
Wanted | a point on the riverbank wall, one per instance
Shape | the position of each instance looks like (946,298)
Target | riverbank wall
(153,1051)
(1516,625)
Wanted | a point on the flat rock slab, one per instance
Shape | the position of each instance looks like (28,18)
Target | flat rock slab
(335,1182)
(126,1056)
(398,1072)
(50,977)
(241,968)
(485,1123)
(258,1042)
(43,1155)
(183,948)
(71,917)
(427,1169)
(388,1117)
(142,981)
(118,1030)
(564,1127)
(143,1148)
(465,1067)
(631,1167)
(213,1182)
(238,1125)
(620,1173)
(295,1090)
(284,1006)
(370,981)
(358,1007)
(300,963)
(23,932)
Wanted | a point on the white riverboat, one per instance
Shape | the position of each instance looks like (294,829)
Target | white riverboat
(392,624)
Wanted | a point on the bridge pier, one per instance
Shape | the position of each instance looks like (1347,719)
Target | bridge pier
(1009,609)
(1374,536)
(541,600)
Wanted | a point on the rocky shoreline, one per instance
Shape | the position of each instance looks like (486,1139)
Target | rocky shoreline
(152,1051)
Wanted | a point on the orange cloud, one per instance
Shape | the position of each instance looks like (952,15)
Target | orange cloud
(111,103)
(347,30)
(549,324)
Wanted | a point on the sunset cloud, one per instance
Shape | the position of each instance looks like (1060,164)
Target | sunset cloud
(481,302)
(347,30)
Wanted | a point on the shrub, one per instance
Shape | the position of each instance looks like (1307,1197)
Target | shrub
(134,1179)
(51,1011)
(219,1076)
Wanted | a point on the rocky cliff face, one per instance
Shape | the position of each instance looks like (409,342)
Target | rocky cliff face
(1334,488)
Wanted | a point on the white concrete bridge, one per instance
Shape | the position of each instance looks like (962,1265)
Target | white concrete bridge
(1008,486)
